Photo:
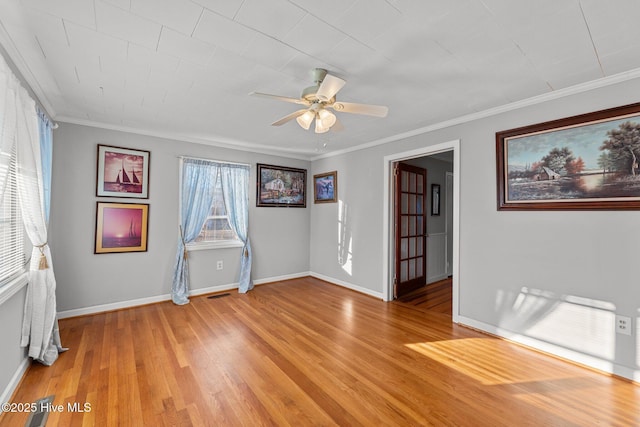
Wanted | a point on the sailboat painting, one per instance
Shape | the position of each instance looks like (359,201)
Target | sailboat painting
(122,172)
(121,227)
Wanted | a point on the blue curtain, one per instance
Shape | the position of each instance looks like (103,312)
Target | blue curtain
(46,155)
(198,184)
(235,190)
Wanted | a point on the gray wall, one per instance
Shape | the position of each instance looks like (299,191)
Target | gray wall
(279,236)
(510,282)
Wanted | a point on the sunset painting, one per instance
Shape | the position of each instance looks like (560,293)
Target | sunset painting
(121,227)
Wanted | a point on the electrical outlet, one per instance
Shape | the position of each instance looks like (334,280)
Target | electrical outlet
(219,265)
(623,325)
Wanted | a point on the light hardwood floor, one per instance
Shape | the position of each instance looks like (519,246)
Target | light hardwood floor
(304,352)
(436,296)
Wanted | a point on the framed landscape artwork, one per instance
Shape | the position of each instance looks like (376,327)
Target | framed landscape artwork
(122,172)
(325,187)
(280,186)
(121,227)
(590,161)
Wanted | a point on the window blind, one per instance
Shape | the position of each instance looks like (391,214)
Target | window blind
(12,258)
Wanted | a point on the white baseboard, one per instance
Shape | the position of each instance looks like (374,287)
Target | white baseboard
(571,355)
(346,285)
(15,380)
(167,297)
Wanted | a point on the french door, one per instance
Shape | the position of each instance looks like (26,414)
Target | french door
(410,228)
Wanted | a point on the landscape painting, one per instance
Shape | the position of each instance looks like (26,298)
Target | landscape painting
(121,227)
(122,172)
(281,186)
(582,162)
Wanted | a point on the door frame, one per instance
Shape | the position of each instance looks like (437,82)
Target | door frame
(388,247)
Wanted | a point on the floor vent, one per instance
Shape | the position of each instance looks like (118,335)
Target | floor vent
(226,294)
(38,417)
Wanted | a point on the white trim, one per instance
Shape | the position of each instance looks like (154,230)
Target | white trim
(213,140)
(167,297)
(387,215)
(15,381)
(218,244)
(347,285)
(12,288)
(534,100)
(546,347)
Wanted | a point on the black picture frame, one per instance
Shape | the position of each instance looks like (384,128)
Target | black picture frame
(435,199)
(280,186)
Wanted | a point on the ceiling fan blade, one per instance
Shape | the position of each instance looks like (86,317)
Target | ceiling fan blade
(366,109)
(280,98)
(289,117)
(329,87)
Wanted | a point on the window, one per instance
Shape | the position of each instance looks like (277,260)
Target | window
(217,228)
(216,231)
(12,258)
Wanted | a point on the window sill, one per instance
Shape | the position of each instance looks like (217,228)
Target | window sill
(203,246)
(12,288)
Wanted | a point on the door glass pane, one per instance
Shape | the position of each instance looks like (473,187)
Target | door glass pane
(412,182)
(419,243)
(412,269)
(404,203)
(404,248)
(404,226)
(419,205)
(403,181)
(412,247)
(419,267)
(420,187)
(412,225)
(412,203)
(419,229)
(404,271)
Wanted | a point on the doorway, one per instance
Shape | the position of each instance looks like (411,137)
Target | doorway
(449,256)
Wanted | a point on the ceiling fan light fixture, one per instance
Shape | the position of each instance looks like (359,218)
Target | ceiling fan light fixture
(320,126)
(327,118)
(305,119)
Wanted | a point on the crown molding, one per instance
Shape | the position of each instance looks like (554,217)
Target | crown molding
(215,141)
(535,100)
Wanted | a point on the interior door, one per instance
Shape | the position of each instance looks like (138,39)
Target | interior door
(410,228)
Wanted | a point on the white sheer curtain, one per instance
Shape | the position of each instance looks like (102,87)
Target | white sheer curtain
(19,128)
(235,188)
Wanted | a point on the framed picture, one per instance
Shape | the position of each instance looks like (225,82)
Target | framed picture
(122,172)
(121,227)
(435,199)
(280,186)
(325,187)
(585,162)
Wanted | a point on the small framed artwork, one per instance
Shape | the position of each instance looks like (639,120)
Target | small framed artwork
(121,227)
(280,186)
(435,199)
(588,162)
(325,187)
(122,172)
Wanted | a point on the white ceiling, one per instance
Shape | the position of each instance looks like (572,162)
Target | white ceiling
(184,68)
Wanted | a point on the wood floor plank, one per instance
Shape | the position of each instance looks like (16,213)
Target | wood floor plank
(304,352)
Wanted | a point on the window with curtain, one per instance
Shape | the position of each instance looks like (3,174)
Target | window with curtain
(216,230)
(12,258)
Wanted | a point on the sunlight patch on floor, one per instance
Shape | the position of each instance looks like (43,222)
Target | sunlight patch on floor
(486,360)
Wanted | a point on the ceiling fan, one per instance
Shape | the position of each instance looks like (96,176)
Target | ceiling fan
(317,99)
